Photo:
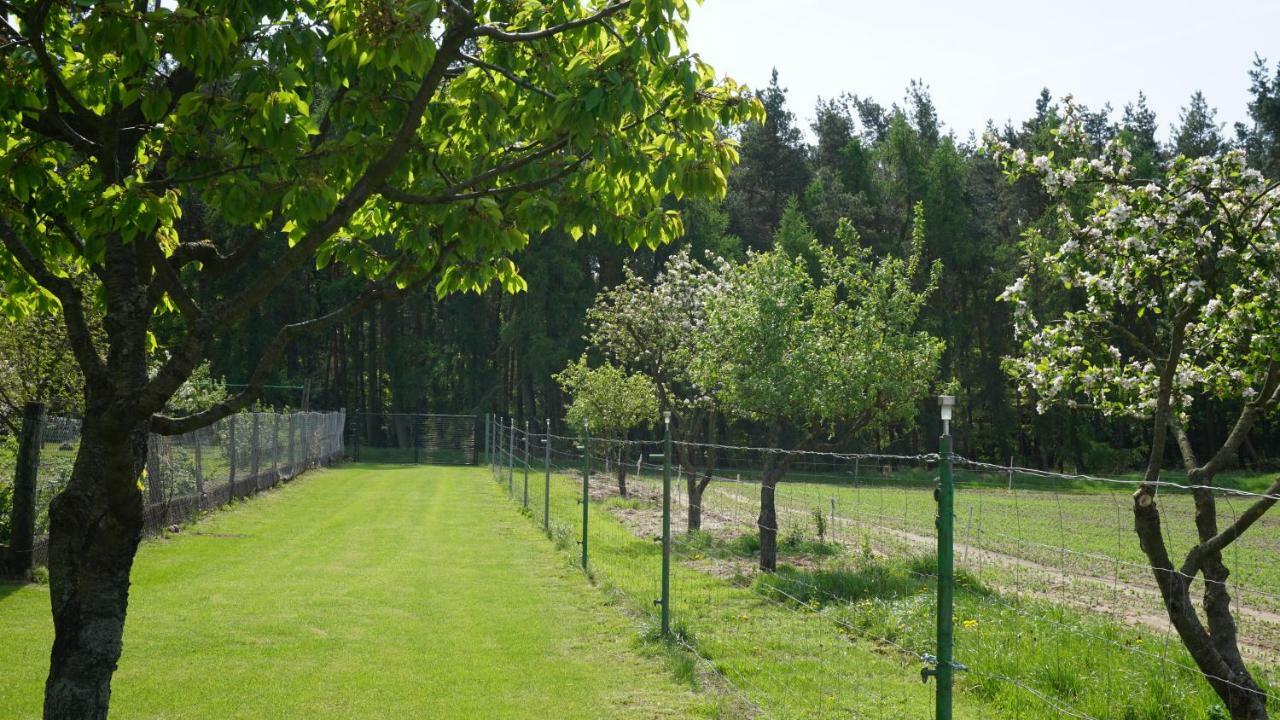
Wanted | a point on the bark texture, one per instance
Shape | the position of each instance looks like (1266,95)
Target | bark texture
(95,526)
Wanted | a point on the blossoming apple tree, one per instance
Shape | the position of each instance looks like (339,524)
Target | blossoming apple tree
(651,327)
(1174,287)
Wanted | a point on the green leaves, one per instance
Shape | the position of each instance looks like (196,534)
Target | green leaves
(156,104)
(608,398)
(339,134)
(818,340)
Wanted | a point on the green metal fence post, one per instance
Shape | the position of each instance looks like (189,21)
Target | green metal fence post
(487,428)
(946,564)
(511,460)
(666,525)
(586,487)
(546,480)
(526,464)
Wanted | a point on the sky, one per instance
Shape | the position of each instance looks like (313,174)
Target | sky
(989,59)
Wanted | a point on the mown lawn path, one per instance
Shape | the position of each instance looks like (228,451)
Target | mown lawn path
(365,592)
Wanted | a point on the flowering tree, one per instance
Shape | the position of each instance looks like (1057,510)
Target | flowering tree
(651,328)
(1177,299)
(611,402)
(817,350)
(404,144)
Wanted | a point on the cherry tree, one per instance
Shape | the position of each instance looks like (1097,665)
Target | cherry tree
(405,145)
(1175,299)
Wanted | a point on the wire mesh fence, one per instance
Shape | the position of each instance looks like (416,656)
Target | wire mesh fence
(1057,612)
(233,458)
(418,438)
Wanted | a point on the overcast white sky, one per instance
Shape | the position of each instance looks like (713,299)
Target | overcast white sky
(990,58)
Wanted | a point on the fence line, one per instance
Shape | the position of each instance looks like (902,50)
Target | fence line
(1057,610)
(233,458)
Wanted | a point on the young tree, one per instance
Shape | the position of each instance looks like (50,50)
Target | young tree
(1178,300)
(611,402)
(817,355)
(406,143)
(652,328)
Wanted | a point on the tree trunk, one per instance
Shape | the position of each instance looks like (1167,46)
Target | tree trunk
(622,472)
(95,526)
(695,501)
(768,520)
(1214,650)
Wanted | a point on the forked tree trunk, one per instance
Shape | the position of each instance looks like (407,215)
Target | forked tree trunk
(1215,648)
(95,525)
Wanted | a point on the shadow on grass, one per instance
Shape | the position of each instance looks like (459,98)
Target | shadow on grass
(9,586)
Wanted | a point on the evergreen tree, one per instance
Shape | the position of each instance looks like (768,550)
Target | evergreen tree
(1198,132)
(773,168)
(1261,139)
(1138,131)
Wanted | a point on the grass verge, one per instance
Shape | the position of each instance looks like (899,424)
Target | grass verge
(365,592)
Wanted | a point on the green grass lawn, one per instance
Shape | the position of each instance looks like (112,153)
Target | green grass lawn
(378,592)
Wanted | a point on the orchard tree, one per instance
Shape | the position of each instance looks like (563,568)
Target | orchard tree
(818,348)
(611,402)
(405,143)
(652,328)
(1177,301)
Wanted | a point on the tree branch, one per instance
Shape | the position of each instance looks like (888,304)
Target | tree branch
(69,296)
(168,280)
(451,193)
(1244,423)
(186,354)
(165,425)
(508,74)
(369,182)
(408,198)
(1220,541)
(497,33)
(53,78)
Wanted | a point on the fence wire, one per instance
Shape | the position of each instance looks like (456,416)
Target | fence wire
(1057,610)
(233,458)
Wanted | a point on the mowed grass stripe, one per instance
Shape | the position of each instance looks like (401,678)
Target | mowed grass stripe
(361,592)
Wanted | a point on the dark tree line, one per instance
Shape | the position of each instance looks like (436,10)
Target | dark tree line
(859,159)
